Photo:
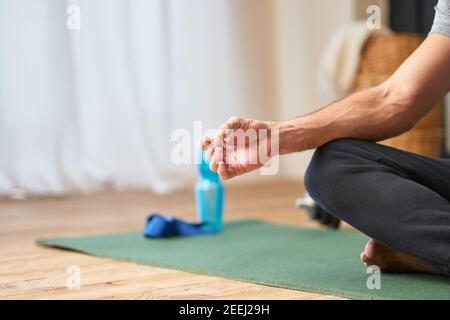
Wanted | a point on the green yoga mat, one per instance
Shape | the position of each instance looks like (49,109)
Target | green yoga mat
(271,254)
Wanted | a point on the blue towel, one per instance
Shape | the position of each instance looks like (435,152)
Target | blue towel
(158,226)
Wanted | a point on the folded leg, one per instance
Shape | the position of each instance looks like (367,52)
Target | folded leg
(398,198)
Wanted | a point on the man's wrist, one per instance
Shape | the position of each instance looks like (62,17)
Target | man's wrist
(281,132)
(288,137)
(300,134)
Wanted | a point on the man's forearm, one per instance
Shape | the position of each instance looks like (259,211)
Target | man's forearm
(372,114)
(380,112)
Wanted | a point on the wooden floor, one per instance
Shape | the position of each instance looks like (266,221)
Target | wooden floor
(31,272)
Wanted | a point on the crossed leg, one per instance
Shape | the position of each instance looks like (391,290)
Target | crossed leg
(399,199)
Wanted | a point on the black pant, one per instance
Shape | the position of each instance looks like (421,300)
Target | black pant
(395,197)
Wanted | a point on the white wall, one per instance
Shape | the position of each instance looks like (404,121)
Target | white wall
(303,28)
(254,30)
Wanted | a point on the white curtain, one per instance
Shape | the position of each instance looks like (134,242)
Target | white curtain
(83,108)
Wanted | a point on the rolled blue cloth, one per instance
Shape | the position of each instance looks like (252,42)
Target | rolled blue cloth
(158,226)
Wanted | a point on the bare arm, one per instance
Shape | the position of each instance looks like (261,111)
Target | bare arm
(375,114)
(381,112)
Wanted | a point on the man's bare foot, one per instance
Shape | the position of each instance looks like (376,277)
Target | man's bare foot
(390,260)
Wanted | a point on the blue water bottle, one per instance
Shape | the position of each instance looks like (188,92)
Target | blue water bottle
(209,197)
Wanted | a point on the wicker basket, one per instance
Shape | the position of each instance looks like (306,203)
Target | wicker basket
(381,56)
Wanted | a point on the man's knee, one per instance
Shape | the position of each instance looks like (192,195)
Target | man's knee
(326,171)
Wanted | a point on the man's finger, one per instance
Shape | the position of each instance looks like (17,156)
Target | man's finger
(232,123)
(213,164)
(223,171)
(205,142)
(218,155)
(209,151)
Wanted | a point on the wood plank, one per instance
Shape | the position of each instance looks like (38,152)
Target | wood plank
(31,272)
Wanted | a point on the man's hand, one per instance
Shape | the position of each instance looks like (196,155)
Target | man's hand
(240,146)
(375,114)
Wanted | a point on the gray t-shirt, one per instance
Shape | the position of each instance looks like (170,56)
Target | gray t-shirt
(441,22)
